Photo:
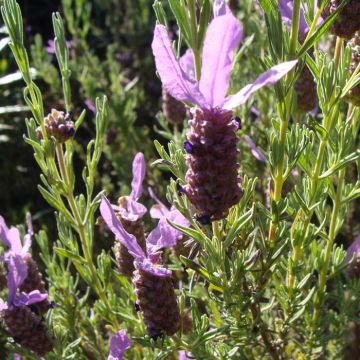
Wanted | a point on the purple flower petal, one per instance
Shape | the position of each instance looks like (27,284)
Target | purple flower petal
(256,152)
(183,355)
(152,268)
(17,272)
(354,248)
(90,105)
(286,10)
(3,305)
(116,227)
(220,8)
(138,170)
(131,210)
(222,37)
(269,77)
(174,79)
(119,343)
(159,210)
(187,64)
(31,298)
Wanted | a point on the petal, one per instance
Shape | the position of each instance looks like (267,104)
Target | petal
(220,8)
(119,343)
(174,79)
(286,10)
(128,240)
(187,64)
(31,298)
(354,248)
(256,152)
(269,77)
(222,37)
(132,211)
(10,237)
(153,269)
(3,305)
(159,210)
(138,170)
(17,272)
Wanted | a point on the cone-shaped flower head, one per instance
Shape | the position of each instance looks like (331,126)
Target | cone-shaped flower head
(353,251)
(119,343)
(129,208)
(213,182)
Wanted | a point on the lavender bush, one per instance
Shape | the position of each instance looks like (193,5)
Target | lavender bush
(254,254)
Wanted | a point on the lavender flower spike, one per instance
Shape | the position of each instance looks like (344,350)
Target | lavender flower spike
(213,184)
(153,285)
(119,343)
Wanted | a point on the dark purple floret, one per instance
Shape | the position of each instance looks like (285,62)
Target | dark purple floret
(180,189)
(237,121)
(188,147)
(203,219)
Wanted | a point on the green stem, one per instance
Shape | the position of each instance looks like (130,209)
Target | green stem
(329,246)
(80,227)
(216,229)
(294,27)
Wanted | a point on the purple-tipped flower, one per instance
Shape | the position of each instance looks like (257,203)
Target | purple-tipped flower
(23,325)
(153,284)
(58,125)
(213,185)
(119,343)
(33,280)
(353,251)
(130,212)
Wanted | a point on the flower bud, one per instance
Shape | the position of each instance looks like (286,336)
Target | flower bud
(305,88)
(58,125)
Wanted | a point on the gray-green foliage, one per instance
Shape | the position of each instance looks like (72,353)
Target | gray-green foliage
(268,281)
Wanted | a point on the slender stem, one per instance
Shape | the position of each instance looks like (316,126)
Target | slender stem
(216,229)
(294,27)
(338,47)
(329,245)
(80,227)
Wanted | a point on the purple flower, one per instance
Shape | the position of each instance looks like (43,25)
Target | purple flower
(353,249)
(90,105)
(130,209)
(161,237)
(222,37)
(286,10)
(17,272)
(51,49)
(160,211)
(256,152)
(11,238)
(119,343)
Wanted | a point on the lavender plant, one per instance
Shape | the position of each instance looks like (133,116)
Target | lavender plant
(262,206)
